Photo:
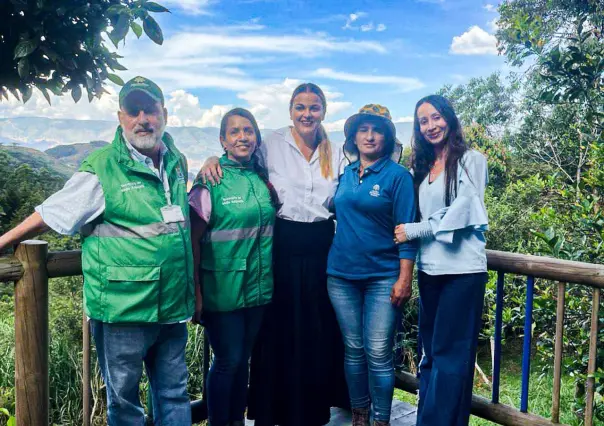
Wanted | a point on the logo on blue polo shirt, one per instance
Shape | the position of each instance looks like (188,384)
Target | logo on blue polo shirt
(375,192)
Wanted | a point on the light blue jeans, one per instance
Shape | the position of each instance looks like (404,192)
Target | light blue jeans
(122,349)
(368,323)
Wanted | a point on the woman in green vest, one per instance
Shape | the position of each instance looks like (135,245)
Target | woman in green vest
(232,233)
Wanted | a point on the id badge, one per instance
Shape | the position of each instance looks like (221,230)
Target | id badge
(172,214)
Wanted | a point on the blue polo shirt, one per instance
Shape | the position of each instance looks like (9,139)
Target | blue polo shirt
(367,210)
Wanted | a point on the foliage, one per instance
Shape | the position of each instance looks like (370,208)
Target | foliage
(59,47)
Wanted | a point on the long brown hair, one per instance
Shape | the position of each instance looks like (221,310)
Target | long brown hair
(323,145)
(258,168)
(423,155)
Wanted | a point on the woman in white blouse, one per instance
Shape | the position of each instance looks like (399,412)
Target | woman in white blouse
(450,180)
(297,366)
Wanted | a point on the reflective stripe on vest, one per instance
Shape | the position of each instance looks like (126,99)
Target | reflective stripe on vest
(142,231)
(238,234)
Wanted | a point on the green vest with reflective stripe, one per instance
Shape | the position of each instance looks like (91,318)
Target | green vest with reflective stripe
(137,269)
(236,251)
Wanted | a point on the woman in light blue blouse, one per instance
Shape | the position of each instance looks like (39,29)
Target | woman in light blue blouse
(450,180)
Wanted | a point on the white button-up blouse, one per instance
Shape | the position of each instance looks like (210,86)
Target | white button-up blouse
(302,189)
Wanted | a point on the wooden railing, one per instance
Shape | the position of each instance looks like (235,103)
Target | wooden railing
(32,266)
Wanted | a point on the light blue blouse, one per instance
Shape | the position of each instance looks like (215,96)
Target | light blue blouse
(452,238)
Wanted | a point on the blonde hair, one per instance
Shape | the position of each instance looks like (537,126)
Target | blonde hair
(324,145)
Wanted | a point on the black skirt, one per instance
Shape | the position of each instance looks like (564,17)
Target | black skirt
(297,367)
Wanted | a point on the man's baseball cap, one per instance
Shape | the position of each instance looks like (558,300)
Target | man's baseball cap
(144,85)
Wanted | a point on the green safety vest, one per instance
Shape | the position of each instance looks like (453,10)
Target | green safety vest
(137,268)
(236,250)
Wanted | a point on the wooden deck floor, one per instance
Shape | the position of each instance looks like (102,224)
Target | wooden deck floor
(403,414)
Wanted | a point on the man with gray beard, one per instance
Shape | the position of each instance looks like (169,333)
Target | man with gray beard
(129,202)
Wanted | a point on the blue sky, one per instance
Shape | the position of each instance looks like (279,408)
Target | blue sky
(218,54)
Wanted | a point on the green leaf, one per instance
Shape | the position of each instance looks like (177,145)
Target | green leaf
(4,411)
(46,94)
(120,29)
(115,79)
(23,68)
(153,30)
(11,421)
(154,7)
(25,47)
(117,9)
(14,92)
(76,93)
(26,93)
(136,29)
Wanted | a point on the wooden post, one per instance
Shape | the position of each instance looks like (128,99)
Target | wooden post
(558,352)
(591,366)
(31,335)
(85,370)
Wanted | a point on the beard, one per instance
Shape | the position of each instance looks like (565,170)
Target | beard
(145,142)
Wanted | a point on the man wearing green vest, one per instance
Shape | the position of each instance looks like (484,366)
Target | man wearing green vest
(129,202)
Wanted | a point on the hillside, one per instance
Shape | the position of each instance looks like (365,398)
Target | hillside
(37,160)
(73,155)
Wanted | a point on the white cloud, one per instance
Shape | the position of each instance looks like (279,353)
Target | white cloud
(405,119)
(354,18)
(190,44)
(367,27)
(404,84)
(335,126)
(184,110)
(490,7)
(475,41)
(193,7)
(492,24)
(193,59)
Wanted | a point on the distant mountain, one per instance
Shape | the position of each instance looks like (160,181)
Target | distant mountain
(195,142)
(19,155)
(73,155)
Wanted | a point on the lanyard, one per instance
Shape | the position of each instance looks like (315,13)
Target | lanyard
(166,185)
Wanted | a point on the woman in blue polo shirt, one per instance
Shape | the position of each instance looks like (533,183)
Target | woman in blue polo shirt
(369,275)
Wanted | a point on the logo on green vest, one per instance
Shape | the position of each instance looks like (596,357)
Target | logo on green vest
(130,186)
(236,199)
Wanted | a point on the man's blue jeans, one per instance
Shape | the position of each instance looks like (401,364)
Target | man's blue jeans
(232,336)
(122,349)
(368,323)
(449,321)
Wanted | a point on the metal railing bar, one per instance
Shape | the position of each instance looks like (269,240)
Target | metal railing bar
(558,352)
(497,337)
(526,348)
(591,366)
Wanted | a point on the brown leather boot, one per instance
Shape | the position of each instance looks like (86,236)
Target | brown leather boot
(380,423)
(360,417)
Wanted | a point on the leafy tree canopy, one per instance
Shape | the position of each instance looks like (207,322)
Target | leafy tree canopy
(58,46)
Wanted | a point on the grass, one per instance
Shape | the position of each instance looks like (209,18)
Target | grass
(540,387)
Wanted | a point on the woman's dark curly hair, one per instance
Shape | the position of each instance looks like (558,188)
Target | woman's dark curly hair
(423,156)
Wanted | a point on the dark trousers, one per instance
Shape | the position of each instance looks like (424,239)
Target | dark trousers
(232,336)
(449,323)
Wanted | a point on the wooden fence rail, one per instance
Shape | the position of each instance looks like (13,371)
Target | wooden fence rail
(31,267)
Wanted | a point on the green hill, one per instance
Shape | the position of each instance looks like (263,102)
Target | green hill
(36,160)
(73,155)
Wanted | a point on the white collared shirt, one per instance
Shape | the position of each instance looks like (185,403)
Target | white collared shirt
(302,189)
